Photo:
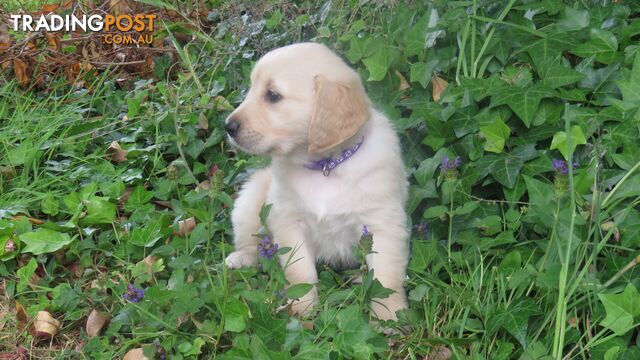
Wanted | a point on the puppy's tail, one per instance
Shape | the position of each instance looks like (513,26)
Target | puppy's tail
(245,216)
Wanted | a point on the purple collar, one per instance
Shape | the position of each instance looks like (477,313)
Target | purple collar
(326,165)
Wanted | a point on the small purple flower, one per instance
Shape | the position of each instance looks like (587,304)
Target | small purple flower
(133,294)
(266,248)
(450,167)
(365,230)
(450,164)
(159,350)
(560,166)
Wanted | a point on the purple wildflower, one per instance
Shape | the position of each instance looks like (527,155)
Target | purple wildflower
(422,229)
(160,350)
(133,294)
(560,166)
(365,230)
(450,164)
(266,248)
(450,167)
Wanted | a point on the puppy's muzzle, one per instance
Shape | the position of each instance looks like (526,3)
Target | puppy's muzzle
(232,126)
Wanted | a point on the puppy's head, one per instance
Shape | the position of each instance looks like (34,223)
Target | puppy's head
(302,98)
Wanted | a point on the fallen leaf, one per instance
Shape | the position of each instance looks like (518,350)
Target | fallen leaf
(438,85)
(185,227)
(48,8)
(4,44)
(611,225)
(54,40)
(7,172)
(204,185)
(222,104)
(9,246)
(95,323)
(125,196)
(439,353)
(404,85)
(203,122)
(163,204)
(20,68)
(115,153)
(31,220)
(45,325)
(135,354)
(21,316)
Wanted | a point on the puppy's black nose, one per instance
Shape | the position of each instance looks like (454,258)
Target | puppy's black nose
(232,126)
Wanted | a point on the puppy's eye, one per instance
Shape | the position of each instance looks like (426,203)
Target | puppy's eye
(272,96)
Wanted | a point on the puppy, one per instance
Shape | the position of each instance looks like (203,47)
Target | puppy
(336,167)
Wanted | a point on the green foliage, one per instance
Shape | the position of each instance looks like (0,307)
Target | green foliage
(500,243)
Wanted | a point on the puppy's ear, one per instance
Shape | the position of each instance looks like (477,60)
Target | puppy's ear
(339,111)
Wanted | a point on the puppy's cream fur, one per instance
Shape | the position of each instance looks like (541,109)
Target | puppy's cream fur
(323,110)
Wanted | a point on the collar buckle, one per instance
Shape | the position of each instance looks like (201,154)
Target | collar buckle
(325,169)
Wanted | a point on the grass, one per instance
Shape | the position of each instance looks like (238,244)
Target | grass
(513,257)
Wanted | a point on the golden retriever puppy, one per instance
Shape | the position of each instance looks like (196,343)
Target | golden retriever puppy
(336,170)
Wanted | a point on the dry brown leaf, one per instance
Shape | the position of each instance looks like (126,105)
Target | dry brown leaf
(9,246)
(404,85)
(115,153)
(31,220)
(45,325)
(439,353)
(54,40)
(20,68)
(119,7)
(203,185)
(48,8)
(611,225)
(125,195)
(203,122)
(135,354)
(4,43)
(7,172)
(95,323)
(438,85)
(148,264)
(185,227)
(21,316)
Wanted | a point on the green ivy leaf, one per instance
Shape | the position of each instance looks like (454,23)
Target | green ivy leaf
(574,19)
(621,309)
(558,75)
(603,45)
(298,290)
(560,141)
(514,319)
(504,168)
(630,87)
(378,64)
(99,211)
(524,102)
(44,241)
(546,50)
(421,72)
(49,204)
(25,273)
(495,135)
(139,196)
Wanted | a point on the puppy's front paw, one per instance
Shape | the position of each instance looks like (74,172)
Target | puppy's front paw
(302,306)
(239,259)
(385,309)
